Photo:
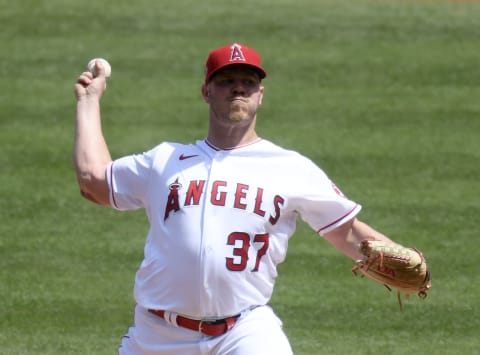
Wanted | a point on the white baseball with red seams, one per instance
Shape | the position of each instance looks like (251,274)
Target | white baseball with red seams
(106,66)
(220,221)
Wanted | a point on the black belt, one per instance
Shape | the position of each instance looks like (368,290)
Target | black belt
(211,328)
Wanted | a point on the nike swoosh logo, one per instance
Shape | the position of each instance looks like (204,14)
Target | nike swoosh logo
(183,156)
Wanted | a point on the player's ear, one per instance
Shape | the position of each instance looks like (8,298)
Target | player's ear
(260,99)
(205,93)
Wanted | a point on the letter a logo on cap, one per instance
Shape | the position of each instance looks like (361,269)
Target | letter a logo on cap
(236,53)
(232,54)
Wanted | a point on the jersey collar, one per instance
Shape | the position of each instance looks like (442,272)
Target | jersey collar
(214,147)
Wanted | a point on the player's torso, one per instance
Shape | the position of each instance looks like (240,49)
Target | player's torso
(219,222)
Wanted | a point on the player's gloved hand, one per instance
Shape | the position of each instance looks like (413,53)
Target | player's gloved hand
(395,266)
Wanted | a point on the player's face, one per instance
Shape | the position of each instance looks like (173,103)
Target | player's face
(234,94)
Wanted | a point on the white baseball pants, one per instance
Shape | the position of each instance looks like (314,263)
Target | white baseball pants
(257,331)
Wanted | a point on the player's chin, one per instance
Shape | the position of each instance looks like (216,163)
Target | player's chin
(238,117)
(239,114)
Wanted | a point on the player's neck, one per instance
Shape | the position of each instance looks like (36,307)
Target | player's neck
(233,139)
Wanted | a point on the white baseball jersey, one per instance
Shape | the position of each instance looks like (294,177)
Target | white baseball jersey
(220,221)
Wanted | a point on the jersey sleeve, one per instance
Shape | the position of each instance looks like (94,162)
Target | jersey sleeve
(320,203)
(128,181)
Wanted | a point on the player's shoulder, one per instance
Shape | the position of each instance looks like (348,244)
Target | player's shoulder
(292,159)
(160,154)
(169,148)
(280,151)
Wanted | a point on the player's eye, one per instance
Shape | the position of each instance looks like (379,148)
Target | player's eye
(224,81)
(249,82)
(246,82)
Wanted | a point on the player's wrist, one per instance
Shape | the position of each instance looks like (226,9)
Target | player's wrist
(88,98)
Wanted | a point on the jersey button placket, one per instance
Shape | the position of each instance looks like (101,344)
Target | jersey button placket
(206,247)
(207,252)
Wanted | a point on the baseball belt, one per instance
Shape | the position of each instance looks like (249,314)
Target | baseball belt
(212,328)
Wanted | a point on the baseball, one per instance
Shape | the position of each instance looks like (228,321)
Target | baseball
(106,66)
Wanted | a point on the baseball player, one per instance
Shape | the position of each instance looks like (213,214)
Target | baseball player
(221,212)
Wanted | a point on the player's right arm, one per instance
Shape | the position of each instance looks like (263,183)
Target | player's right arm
(90,154)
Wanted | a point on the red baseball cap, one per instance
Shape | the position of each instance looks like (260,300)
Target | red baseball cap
(230,55)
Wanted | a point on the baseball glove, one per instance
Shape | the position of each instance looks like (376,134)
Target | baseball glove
(395,266)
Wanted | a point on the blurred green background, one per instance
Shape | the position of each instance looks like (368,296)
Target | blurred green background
(383,95)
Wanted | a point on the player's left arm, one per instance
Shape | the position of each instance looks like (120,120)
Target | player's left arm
(347,237)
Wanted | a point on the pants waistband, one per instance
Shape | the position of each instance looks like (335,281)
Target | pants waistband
(211,328)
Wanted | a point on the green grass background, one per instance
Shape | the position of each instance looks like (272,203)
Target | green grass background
(384,95)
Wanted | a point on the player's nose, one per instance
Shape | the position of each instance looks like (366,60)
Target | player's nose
(238,87)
